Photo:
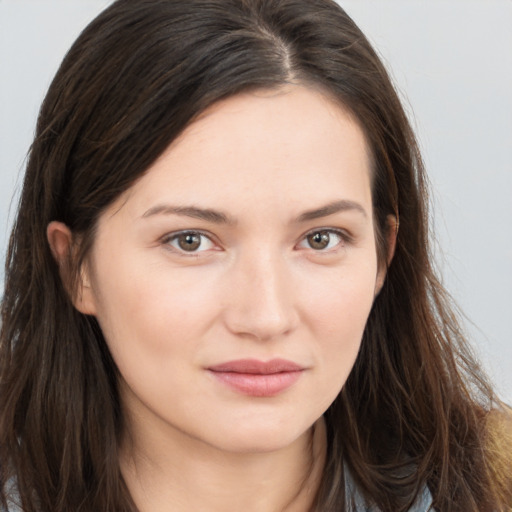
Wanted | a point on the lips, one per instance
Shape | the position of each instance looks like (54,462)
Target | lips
(258,378)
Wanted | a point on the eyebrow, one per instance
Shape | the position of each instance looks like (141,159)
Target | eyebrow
(207,214)
(342,205)
(218,217)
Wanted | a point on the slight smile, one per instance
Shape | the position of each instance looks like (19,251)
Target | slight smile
(258,378)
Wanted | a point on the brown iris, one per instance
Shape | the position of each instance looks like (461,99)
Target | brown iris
(319,240)
(189,241)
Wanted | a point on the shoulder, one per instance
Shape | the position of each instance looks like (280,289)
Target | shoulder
(499,428)
(12,507)
(498,436)
(12,497)
(424,502)
(357,503)
(498,446)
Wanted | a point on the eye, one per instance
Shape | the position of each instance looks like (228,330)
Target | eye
(189,241)
(323,240)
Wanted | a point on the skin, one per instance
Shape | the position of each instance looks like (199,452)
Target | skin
(254,288)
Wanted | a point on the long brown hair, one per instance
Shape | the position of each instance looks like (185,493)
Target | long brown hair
(415,410)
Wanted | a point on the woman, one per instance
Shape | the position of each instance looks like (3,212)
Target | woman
(219,293)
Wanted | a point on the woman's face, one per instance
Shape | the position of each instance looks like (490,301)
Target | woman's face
(233,281)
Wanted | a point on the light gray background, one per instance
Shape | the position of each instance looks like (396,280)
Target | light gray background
(452,61)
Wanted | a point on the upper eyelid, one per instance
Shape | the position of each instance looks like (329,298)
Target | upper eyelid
(346,235)
(168,237)
(343,233)
(173,234)
(345,238)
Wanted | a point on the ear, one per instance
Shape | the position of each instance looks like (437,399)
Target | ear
(60,239)
(391,236)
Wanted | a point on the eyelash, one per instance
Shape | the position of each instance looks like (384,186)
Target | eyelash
(168,239)
(344,238)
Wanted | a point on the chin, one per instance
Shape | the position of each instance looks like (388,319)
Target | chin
(260,438)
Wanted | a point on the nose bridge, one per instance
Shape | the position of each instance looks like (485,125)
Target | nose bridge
(262,302)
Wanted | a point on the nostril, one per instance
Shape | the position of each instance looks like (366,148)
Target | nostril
(261,319)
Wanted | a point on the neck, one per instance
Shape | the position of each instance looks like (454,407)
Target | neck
(164,475)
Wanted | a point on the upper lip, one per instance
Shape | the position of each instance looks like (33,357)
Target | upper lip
(256,367)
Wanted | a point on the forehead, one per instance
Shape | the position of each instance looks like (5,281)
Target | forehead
(293,144)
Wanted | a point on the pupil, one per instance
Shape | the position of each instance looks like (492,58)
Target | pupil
(189,242)
(319,240)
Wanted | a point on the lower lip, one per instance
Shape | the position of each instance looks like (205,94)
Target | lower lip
(263,385)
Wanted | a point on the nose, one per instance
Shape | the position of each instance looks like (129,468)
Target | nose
(262,302)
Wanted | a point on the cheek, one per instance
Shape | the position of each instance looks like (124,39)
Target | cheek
(152,313)
(337,313)
(339,302)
